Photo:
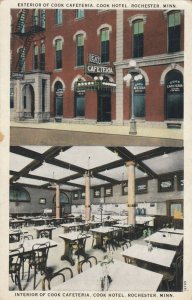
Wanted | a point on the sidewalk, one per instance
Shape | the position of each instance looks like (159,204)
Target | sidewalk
(176,134)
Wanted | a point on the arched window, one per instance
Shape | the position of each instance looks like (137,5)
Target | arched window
(138,38)
(18,194)
(64,199)
(58,16)
(79,50)
(174,20)
(42,56)
(35,57)
(43,18)
(58,54)
(35,17)
(58,95)
(80,104)
(174,95)
(139,98)
(104,39)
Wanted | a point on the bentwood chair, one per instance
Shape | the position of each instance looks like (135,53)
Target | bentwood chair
(44,234)
(38,260)
(89,261)
(15,263)
(172,280)
(64,273)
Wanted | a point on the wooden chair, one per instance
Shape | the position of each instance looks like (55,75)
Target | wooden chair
(172,280)
(50,276)
(14,238)
(38,260)
(15,263)
(90,261)
(44,234)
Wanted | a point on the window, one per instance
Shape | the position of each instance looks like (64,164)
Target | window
(80,50)
(64,199)
(174,20)
(19,194)
(11,97)
(43,18)
(58,16)
(35,17)
(174,95)
(42,56)
(104,45)
(21,59)
(80,13)
(43,94)
(58,54)
(139,98)
(138,38)
(35,57)
(58,93)
(79,104)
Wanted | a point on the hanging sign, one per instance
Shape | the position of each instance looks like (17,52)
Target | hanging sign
(96,69)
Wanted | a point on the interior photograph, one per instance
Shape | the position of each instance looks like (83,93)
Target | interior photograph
(96,218)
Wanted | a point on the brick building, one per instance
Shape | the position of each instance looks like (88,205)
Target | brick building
(69,66)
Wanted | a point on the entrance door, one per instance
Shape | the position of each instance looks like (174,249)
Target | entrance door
(104,107)
(32,103)
(58,99)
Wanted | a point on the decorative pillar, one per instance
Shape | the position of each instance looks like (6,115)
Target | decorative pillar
(131,193)
(57,200)
(87,197)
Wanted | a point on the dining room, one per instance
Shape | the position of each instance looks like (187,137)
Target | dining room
(96,218)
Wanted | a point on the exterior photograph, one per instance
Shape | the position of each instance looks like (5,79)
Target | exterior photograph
(124,73)
(95,218)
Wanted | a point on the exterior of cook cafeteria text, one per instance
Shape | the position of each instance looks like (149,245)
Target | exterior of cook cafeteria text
(51,62)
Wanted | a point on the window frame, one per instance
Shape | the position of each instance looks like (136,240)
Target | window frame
(138,39)
(80,50)
(58,17)
(105,46)
(58,55)
(174,33)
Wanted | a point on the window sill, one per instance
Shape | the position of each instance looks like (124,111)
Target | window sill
(58,70)
(80,67)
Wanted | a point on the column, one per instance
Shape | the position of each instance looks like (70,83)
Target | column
(57,200)
(119,70)
(131,193)
(87,197)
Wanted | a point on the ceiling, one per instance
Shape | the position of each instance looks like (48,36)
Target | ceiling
(40,166)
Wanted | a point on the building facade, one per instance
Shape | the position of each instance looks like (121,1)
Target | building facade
(69,66)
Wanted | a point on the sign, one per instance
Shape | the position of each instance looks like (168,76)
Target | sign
(141,186)
(17,76)
(94,59)
(59,92)
(139,87)
(95,69)
(175,87)
(166,184)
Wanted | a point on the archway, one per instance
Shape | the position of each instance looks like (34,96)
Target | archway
(28,101)
(174,95)
(58,99)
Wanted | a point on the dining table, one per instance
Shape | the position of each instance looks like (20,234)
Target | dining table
(167,240)
(48,228)
(99,235)
(124,277)
(74,241)
(172,230)
(151,255)
(16,223)
(28,245)
(73,226)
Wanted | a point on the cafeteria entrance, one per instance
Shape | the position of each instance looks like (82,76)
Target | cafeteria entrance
(95,218)
(104,106)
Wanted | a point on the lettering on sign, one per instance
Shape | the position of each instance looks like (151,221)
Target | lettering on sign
(59,92)
(94,59)
(175,87)
(93,69)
